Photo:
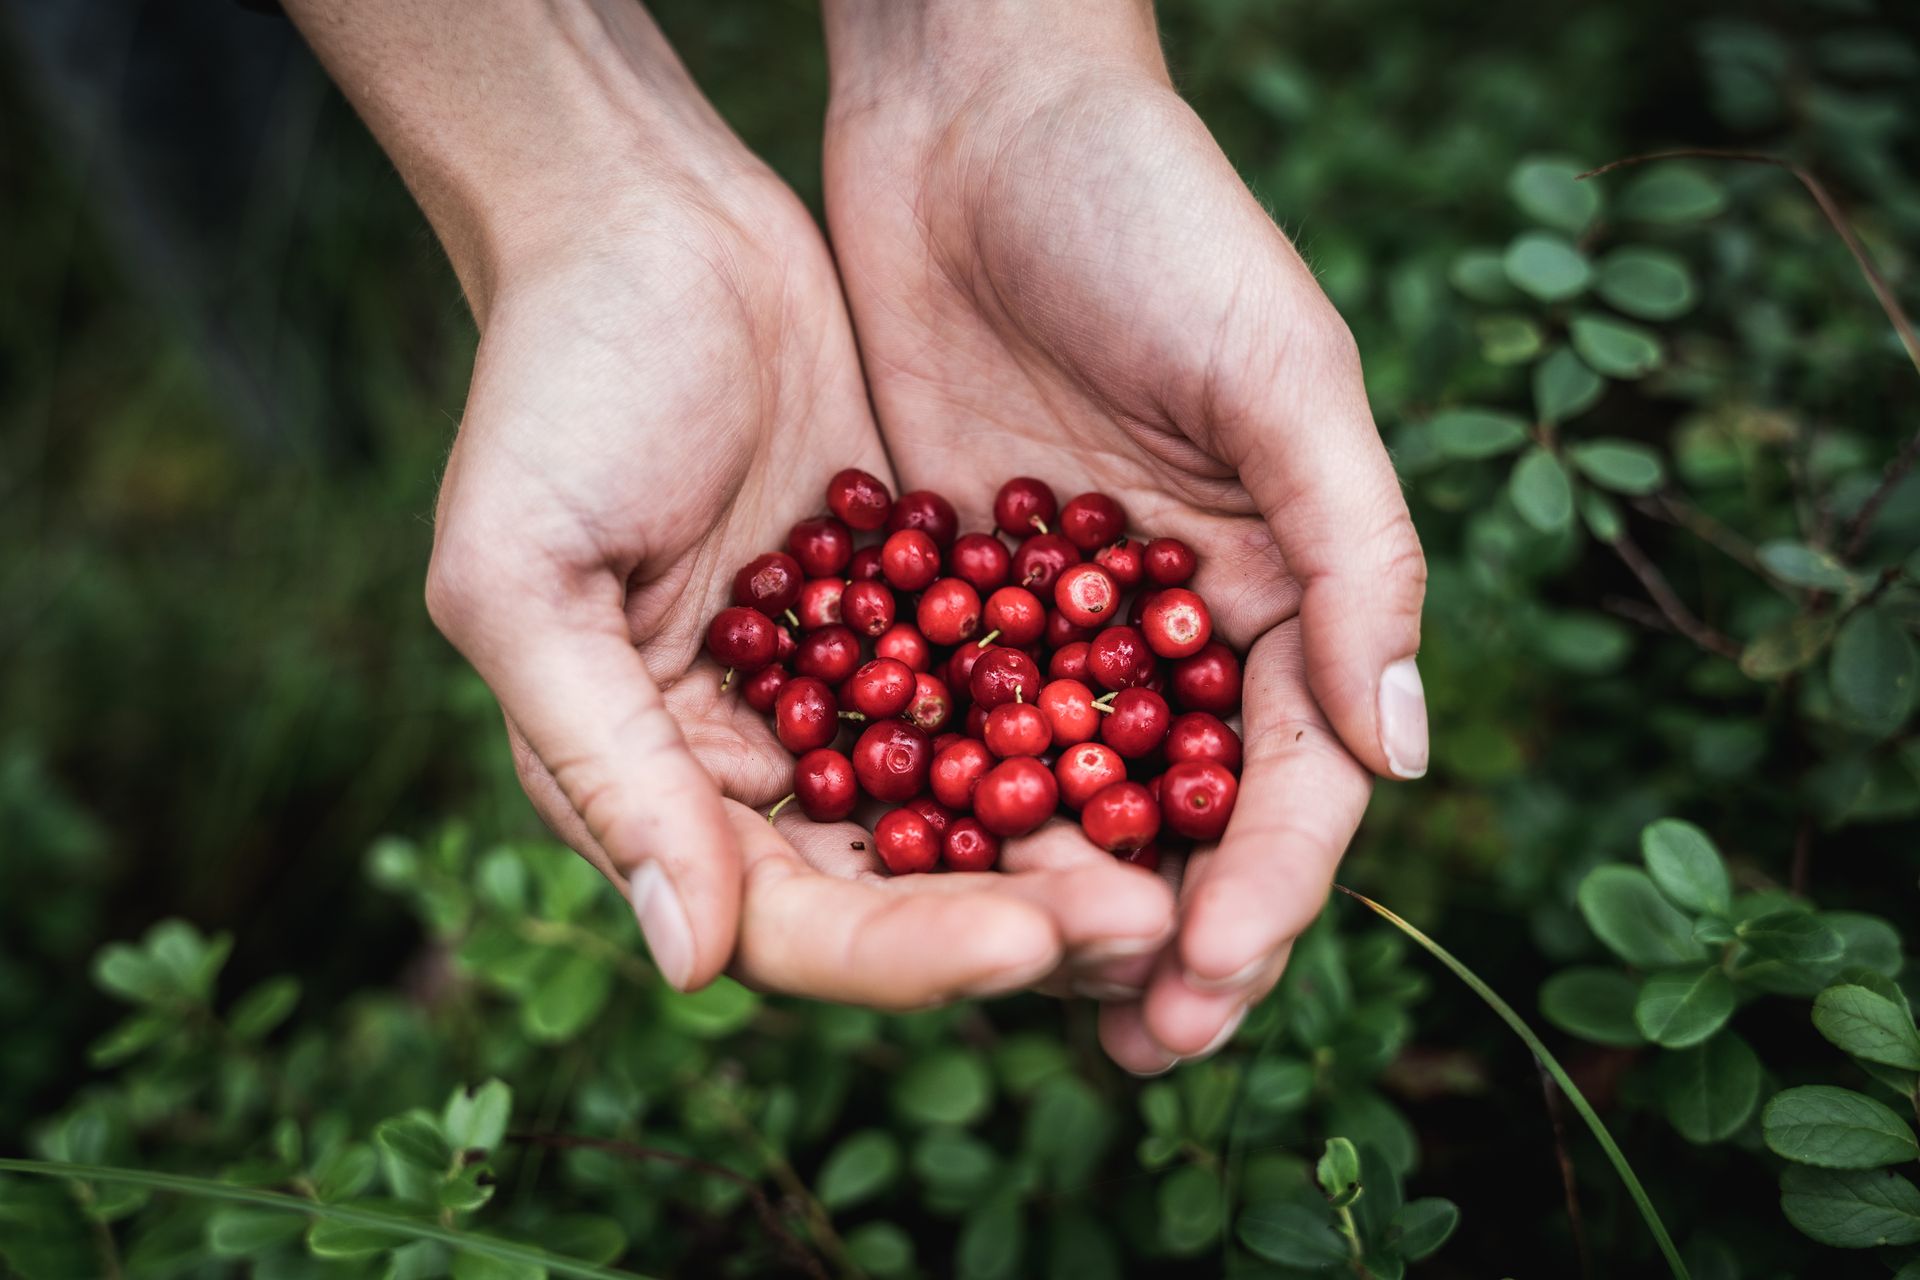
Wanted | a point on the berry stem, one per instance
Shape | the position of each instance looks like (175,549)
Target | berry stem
(988,638)
(726,680)
(792,617)
(788,799)
(851,715)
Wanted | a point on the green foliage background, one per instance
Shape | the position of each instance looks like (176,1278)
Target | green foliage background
(1645,423)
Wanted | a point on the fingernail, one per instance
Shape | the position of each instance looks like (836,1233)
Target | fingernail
(1100,953)
(1403,719)
(1157,1071)
(663,922)
(1094,990)
(1226,1034)
(1232,982)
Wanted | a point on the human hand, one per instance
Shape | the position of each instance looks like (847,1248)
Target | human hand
(1051,265)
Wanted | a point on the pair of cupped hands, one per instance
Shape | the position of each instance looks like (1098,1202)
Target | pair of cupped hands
(1040,263)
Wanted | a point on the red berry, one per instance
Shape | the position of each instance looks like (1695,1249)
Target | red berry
(769,583)
(1085,769)
(1122,559)
(829,654)
(819,604)
(860,499)
(1208,681)
(1086,594)
(932,704)
(1017,614)
(891,760)
(981,560)
(1177,623)
(1041,559)
(1147,857)
(867,607)
(903,642)
(941,741)
(1137,724)
(1092,520)
(762,688)
(1024,505)
(1069,661)
(906,842)
(1169,562)
(910,559)
(823,784)
(1003,676)
(927,511)
(1017,729)
(806,715)
(742,638)
(1196,798)
(1016,796)
(865,566)
(822,545)
(977,722)
(1068,707)
(969,846)
(1138,611)
(956,770)
(1119,658)
(881,688)
(1121,816)
(960,667)
(1201,735)
(1061,632)
(783,643)
(938,816)
(949,612)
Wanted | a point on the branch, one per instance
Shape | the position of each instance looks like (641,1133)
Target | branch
(1683,514)
(1861,525)
(1575,1219)
(1671,607)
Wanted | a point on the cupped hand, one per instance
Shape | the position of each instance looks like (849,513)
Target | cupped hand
(1054,271)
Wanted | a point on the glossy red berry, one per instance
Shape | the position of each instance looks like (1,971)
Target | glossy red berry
(903,642)
(1041,559)
(956,770)
(1085,769)
(1002,676)
(906,842)
(1119,659)
(927,511)
(1196,798)
(822,546)
(783,643)
(1017,614)
(1177,623)
(1169,562)
(968,846)
(806,715)
(865,566)
(830,654)
(861,500)
(1086,595)
(976,722)
(867,607)
(761,689)
(949,612)
(1068,707)
(938,816)
(910,559)
(823,784)
(1201,735)
(1016,796)
(1147,857)
(1025,505)
(742,638)
(981,560)
(1121,816)
(1017,729)
(881,688)
(1125,560)
(819,603)
(891,760)
(1092,520)
(1069,661)
(1138,723)
(770,583)
(1208,681)
(931,707)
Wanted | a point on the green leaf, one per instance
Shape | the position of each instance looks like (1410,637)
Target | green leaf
(880,1249)
(1191,1206)
(1278,1085)
(1799,565)
(719,1009)
(265,1007)
(1293,1235)
(992,1242)
(1481,274)
(344,1172)
(567,996)
(1787,646)
(1621,465)
(1589,643)
(467,1190)
(1595,1004)
(1067,1131)
(1541,491)
(1873,668)
(121,970)
(1710,1090)
(1796,937)
(1507,339)
(241,1233)
(1683,862)
(1602,517)
(414,1140)
(1670,193)
(1851,1208)
(952,1087)
(140,1032)
(1615,347)
(1648,283)
(1422,1227)
(586,1236)
(1339,1169)
(1547,266)
(476,1119)
(478,1266)
(1868,1025)
(1676,1010)
(1547,190)
(858,1168)
(1564,387)
(350,1240)
(1476,433)
(1637,923)
(1836,1129)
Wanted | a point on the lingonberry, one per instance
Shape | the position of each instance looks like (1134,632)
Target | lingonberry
(1092,520)
(1002,676)
(1138,723)
(1118,658)
(1025,505)
(1017,729)
(981,560)
(1069,661)
(957,768)
(1016,796)
(783,643)
(822,545)
(867,607)
(806,714)
(891,760)
(968,846)
(1041,559)
(927,511)
(830,654)
(960,668)
(1121,816)
(1201,735)
(770,583)
(742,638)
(1169,562)
(861,500)
(1071,716)
(903,642)
(819,604)
(1147,857)
(1061,632)
(1085,769)
(906,842)
(1208,681)
(910,559)
(824,785)
(865,565)
(1124,560)
(1016,614)
(1196,798)
(976,723)
(1086,595)
(1177,623)
(938,816)
(949,612)
(931,706)
(941,741)
(762,688)
(881,688)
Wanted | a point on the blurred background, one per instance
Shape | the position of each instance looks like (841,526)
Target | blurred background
(231,362)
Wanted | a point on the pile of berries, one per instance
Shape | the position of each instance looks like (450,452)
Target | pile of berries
(967,674)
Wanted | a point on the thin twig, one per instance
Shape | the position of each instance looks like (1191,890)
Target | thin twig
(1858,528)
(1575,1219)
(1671,606)
(1676,510)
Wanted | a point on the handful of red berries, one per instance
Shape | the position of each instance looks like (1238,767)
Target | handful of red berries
(952,712)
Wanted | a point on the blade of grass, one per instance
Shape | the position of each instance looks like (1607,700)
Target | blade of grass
(208,1189)
(1553,1067)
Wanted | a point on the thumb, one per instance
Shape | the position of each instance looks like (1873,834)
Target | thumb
(1328,491)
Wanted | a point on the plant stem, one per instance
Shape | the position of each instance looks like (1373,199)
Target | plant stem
(1671,606)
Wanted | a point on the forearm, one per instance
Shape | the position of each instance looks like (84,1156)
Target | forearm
(521,128)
